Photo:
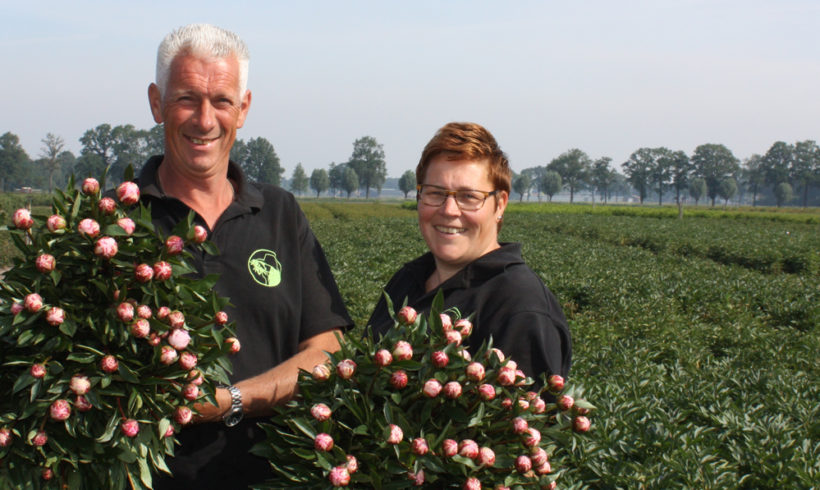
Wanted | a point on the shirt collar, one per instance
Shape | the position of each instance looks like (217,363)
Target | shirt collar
(476,272)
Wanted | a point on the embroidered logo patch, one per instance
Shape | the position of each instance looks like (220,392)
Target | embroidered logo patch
(265,269)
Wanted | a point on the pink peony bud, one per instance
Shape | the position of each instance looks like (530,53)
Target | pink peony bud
(523,464)
(506,403)
(419,446)
(524,404)
(22,219)
(174,245)
(235,346)
(5,437)
(221,318)
(495,353)
(440,359)
(163,312)
(89,228)
(40,438)
(55,223)
(45,263)
(520,425)
(127,224)
(190,392)
(533,437)
(154,339)
(465,354)
(169,431)
(396,434)
(580,424)
(200,234)
(565,402)
(468,448)
(143,273)
(176,319)
(130,427)
(320,412)
(555,382)
(407,315)
(187,360)
(79,384)
(449,448)
(506,377)
(398,380)
(162,271)
(486,391)
(195,376)
(168,355)
(446,322)
(472,483)
(432,388)
(352,464)
(128,193)
(91,186)
(346,368)
(539,406)
(403,351)
(16,308)
(544,469)
(320,372)
(339,476)
(82,404)
(144,311)
(323,442)
(140,328)
(183,415)
(383,357)
(539,456)
(475,371)
(60,410)
(47,474)
(107,206)
(580,410)
(452,390)
(417,478)
(464,326)
(179,339)
(453,337)
(125,311)
(109,364)
(521,378)
(38,370)
(33,303)
(486,457)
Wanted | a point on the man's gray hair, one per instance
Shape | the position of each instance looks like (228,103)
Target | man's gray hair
(202,40)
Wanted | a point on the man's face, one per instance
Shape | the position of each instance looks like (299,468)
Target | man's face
(202,109)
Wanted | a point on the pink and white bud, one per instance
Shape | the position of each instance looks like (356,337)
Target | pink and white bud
(419,446)
(16,308)
(555,382)
(174,245)
(446,322)
(169,431)
(464,326)
(47,474)
(89,228)
(538,406)
(40,438)
(82,404)
(195,376)
(523,464)
(109,364)
(125,311)
(55,316)
(22,219)
(486,392)
(565,402)
(580,424)
(127,225)
(55,223)
(90,186)
(453,337)
(403,351)
(580,410)
(320,372)
(520,378)
(452,390)
(465,354)
(187,360)
(176,319)
(352,464)
(38,370)
(79,384)
(398,380)
(407,315)
(432,387)
(339,476)
(140,328)
(520,425)
(179,338)
(33,302)
(506,377)
(183,415)
(143,273)
(106,247)
(144,311)
(383,357)
(200,234)
(323,442)
(449,448)
(163,312)
(440,359)
(533,437)
(417,478)
(475,371)
(468,448)
(486,457)
(154,339)
(221,318)
(128,193)
(107,206)
(60,410)
(130,427)
(495,353)
(5,437)
(190,392)
(45,263)
(524,403)
(162,271)
(346,368)
(320,412)
(396,434)
(539,456)
(544,469)
(507,403)
(234,345)
(510,364)
(168,355)
(472,483)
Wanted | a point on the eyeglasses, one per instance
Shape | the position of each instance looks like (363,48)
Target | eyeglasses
(467,200)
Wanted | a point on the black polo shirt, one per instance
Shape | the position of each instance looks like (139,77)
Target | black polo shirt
(281,291)
(509,300)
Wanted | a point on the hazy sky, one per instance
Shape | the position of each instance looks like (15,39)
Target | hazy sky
(605,76)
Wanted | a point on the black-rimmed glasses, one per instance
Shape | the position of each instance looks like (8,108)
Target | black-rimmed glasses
(466,199)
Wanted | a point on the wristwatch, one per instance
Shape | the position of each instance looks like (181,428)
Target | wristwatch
(234,414)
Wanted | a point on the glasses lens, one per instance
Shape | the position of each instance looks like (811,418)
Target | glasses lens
(432,196)
(469,200)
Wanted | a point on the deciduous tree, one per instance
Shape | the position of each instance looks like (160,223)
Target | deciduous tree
(601,177)
(805,169)
(319,181)
(714,163)
(727,190)
(52,147)
(350,181)
(573,167)
(299,180)
(521,185)
(260,163)
(551,184)
(697,188)
(367,160)
(407,182)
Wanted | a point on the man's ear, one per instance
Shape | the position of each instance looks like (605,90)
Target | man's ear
(244,106)
(155,100)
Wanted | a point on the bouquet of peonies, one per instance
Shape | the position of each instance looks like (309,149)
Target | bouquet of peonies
(106,342)
(413,408)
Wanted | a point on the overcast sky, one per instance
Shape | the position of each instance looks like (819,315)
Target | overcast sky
(605,76)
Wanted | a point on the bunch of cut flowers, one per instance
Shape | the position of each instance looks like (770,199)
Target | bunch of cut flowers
(415,408)
(106,341)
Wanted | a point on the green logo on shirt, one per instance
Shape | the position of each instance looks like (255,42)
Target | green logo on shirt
(264,268)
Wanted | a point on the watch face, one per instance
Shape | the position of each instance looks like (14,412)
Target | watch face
(233,419)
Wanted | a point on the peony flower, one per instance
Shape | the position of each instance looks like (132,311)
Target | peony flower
(174,245)
(40,438)
(418,477)
(407,315)
(468,448)
(90,186)
(419,446)
(403,351)
(183,415)
(320,412)
(383,357)
(453,337)
(195,375)
(154,339)
(520,425)
(432,388)
(486,391)
(82,404)
(580,424)
(163,312)
(200,234)
(60,410)
(539,456)
(125,311)
(323,442)
(38,370)
(565,402)
(396,434)
(127,224)
(55,223)
(128,193)
(440,359)
(446,322)
(472,483)
(107,206)
(5,437)
(544,469)
(486,457)
(130,427)
(320,372)
(169,431)
(352,464)
(143,273)
(398,380)
(22,219)
(495,353)
(555,382)
(176,319)
(449,447)
(464,326)
(45,263)
(465,354)
(33,302)
(346,368)
(506,377)
(179,339)
(144,311)
(539,406)
(524,404)
(16,308)
(162,271)
(187,360)
(109,364)
(533,437)
(168,355)
(452,390)
(221,318)
(190,392)
(235,346)
(339,476)
(140,328)
(88,227)
(523,464)
(507,403)
(47,474)
(475,371)
(79,384)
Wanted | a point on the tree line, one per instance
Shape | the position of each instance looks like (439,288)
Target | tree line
(784,172)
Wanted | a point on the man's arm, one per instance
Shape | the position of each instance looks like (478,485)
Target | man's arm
(275,386)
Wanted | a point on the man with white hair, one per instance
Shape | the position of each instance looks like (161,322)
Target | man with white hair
(285,302)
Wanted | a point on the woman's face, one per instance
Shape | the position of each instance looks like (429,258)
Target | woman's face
(457,237)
